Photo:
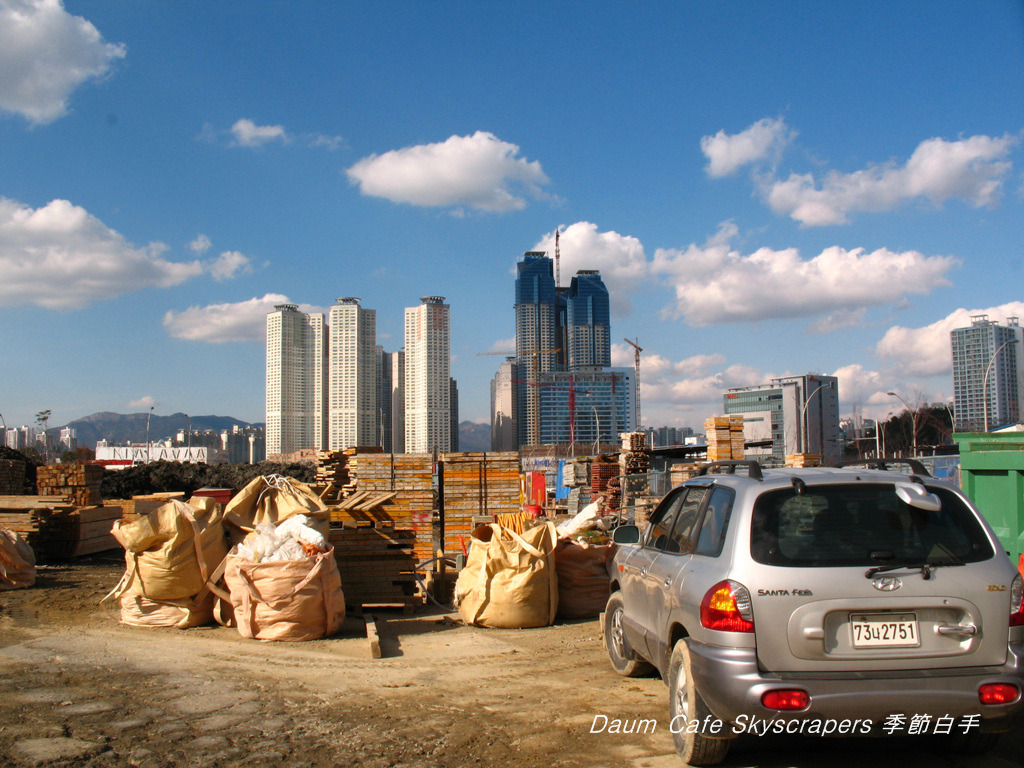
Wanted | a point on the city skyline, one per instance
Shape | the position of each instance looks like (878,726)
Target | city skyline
(765,191)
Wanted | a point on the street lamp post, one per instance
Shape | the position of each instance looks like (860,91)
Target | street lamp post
(984,386)
(597,437)
(149,452)
(803,421)
(913,422)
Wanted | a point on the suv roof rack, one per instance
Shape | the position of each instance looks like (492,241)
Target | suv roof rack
(729,468)
(915,466)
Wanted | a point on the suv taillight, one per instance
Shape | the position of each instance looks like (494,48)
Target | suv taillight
(1017,602)
(726,607)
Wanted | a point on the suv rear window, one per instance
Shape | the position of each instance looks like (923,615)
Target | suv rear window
(862,524)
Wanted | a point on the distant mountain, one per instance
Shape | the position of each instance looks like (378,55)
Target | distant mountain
(474,437)
(122,428)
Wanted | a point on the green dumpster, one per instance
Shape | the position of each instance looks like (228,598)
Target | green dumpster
(992,476)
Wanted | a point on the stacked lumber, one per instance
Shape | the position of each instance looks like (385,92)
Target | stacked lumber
(410,478)
(331,473)
(57,529)
(803,460)
(94,530)
(377,566)
(477,484)
(12,477)
(724,437)
(604,482)
(680,473)
(79,483)
(634,459)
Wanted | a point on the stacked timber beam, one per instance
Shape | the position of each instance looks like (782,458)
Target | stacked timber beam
(79,483)
(605,483)
(377,565)
(477,484)
(57,529)
(383,526)
(332,473)
(725,437)
(803,460)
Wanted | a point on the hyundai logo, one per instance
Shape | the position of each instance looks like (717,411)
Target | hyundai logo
(887,583)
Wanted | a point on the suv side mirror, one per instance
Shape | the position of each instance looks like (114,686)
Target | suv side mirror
(626,534)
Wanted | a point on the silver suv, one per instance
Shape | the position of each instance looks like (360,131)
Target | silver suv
(829,601)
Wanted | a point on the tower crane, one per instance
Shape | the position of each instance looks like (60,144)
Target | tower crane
(636,364)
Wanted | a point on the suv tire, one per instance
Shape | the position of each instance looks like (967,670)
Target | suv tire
(685,706)
(624,659)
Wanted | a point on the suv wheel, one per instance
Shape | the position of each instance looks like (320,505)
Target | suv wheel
(624,659)
(687,708)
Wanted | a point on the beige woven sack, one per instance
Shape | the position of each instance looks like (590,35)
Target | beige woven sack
(273,499)
(509,581)
(171,552)
(17,561)
(288,600)
(139,611)
(583,579)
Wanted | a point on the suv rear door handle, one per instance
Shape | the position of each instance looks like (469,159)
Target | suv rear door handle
(957,629)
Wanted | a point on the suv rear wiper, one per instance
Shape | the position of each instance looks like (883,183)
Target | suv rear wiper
(927,569)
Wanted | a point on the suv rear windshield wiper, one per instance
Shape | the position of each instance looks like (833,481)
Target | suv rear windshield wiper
(927,569)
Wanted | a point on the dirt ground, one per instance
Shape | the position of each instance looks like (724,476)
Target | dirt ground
(78,689)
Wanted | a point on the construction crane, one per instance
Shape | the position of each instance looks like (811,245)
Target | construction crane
(636,364)
(558,274)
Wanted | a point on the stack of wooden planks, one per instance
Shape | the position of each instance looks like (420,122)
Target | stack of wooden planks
(399,492)
(79,483)
(725,437)
(57,529)
(331,473)
(803,460)
(377,565)
(476,484)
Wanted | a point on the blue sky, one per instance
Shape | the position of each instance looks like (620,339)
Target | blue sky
(767,188)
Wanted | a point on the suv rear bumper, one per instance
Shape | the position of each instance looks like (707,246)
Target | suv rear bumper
(731,684)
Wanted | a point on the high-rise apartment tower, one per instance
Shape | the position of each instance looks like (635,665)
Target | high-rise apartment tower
(988,374)
(296,380)
(427,377)
(353,416)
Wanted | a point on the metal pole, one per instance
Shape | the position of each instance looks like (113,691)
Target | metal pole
(803,414)
(984,386)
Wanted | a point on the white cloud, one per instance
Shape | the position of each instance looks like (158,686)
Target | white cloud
(763,140)
(927,351)
(716,284)
(620,259)
(228,265)
(45,54)
(970,169)
(200,245)
(61,257)
(478,171)
(248,134)
(142,404)
(243,321)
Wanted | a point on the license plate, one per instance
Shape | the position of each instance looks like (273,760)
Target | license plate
(884,630)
